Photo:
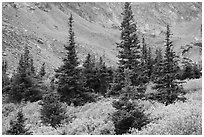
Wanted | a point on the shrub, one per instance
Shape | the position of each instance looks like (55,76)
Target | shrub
(175,119)
(8,108)
(91,119)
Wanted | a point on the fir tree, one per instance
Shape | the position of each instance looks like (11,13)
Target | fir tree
(103,77)
(24,83)
(157,65)
(68,75)
(159,57)
(144,52)
(17,127)
(128,114)
(89,63)
(52,112)
(143,67)
(149,63)
(128,47)
(32,68)
(118,82)
(90,74)
(42,71)
(187,71)
(196,71)
(129,44)
(5,78)
(166,84)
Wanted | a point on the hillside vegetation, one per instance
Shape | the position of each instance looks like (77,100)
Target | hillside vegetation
(93,118)
(59,86)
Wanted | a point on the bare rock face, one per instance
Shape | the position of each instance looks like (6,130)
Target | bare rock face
(44,27)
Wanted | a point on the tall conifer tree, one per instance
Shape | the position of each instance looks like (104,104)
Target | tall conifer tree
(103,77)
(128,46)
(24,83)
(68,74)
(69,86)
(149,63)
(166,84)
(42,71)
(142,68)
(91,81)
(157,65)
(5,78)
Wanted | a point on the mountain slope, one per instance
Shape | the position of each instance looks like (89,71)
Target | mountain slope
(44,27)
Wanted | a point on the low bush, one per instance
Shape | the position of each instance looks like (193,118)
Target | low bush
(92,119)
(175,119)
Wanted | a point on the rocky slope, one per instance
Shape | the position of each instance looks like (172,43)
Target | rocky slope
(43,26)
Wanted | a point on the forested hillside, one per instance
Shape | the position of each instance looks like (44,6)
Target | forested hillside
(144,83)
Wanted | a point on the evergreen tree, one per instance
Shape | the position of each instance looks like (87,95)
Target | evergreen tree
(196,71)
(128,47)
(52,112)
(159,57)
(166,84)
(32,68)
(17,127)
(68,75)
(128,114)
(149,63)
(187,71)
(118,82)
(144,52)
(103,77)
(157,65)
(90,74)
(42,71)
(24,84)
(143,67)
(5,78)
(89,63)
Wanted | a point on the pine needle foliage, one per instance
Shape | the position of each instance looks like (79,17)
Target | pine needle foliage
(69,84)
(52,112)
(166,84)
(17,127)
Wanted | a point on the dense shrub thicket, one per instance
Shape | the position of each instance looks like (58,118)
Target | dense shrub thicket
(175,119)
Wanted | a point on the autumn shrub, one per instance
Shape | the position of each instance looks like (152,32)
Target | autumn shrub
(175,119)
(45,130)
(8,108)
(92,119)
